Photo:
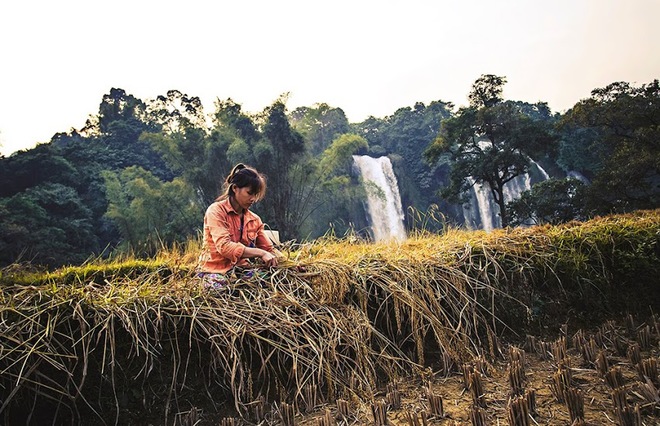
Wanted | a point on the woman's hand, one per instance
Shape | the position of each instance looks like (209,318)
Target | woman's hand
(269,259)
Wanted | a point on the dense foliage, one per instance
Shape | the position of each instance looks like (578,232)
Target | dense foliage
(139,175)
(491,141)
(617,146)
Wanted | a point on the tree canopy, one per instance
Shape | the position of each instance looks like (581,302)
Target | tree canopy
(618,130)
(140,173)
(491,141)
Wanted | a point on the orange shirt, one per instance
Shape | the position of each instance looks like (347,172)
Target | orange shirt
(223,238)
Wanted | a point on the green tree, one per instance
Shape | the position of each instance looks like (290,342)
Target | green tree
(490,141)
(196,157)
(580,151)
(620,129)
(230,116)
(176,111)
(47,225)
(338,201)
(75,160)
(337,159)
(319,125)
(373,130)
(150,213)
(406,135)
(280,156)
(553,201)
(487,91)
(111,141)
(201,157)
(117,107)
(40,165)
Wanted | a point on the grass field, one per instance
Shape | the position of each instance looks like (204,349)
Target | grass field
(347,329)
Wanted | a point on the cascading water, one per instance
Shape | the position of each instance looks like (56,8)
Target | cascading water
(481,212)
(383,199)
(574,174)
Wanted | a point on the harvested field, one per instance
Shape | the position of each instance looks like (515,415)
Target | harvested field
(344,328)
(612,388)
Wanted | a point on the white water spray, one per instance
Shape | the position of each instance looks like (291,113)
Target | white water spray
(483,213)
(383,199)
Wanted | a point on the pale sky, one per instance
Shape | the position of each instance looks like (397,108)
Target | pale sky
(367,57)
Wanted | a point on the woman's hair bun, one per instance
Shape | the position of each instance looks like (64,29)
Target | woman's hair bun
(236,169)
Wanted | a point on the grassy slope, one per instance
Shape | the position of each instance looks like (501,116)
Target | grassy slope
(137,339)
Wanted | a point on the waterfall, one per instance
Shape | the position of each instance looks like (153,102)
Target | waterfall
(574,174)
(383,199)
(481,211)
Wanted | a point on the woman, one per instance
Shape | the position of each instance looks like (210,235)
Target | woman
(232,233)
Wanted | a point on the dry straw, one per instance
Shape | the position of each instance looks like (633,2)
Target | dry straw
(110,338)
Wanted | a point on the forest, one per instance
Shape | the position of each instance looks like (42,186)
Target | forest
(139,174)
(103,320)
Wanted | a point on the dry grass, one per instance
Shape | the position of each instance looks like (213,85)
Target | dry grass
(126,340)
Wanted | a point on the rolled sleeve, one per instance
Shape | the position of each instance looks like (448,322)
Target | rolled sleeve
(255,233)
(263,242)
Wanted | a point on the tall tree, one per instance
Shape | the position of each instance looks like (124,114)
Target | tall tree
(619,128)
(491,141)
(110,140)
(337,159)
(374,130)
(26,169)
(319,125)
(112,137)
(75,160)
(47,225)
(229,115)
(281,157)
(150,213)
(176,111)
(553,201)
(195,153)
(338,202)
(408,132)
(240,132)
(116,106)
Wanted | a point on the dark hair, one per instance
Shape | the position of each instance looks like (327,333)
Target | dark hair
(242,176)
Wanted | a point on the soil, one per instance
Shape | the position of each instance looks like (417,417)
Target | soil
(641,396)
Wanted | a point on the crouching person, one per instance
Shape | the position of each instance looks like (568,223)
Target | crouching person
(233,235)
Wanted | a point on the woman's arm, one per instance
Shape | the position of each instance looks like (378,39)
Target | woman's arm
(267,257)
(220,228)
